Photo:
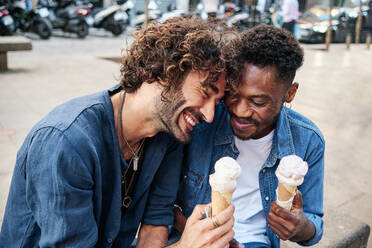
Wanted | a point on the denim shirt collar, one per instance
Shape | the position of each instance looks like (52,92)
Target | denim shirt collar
(282,141)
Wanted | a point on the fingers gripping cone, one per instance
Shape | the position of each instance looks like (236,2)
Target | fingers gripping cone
(290,173)
(223,183)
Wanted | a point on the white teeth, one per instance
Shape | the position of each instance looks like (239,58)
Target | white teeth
(189,120)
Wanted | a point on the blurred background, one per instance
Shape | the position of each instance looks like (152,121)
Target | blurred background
(346,20)
(70,48)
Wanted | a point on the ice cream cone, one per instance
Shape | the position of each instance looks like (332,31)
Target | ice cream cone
(290,173)
(285,192)
(220,201)
(223,183)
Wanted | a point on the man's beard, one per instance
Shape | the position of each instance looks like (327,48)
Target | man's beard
(165,113)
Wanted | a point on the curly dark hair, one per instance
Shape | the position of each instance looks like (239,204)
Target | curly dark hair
(166,52)
(265,46)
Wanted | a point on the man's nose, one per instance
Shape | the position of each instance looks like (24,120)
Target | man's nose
(242,109)
(208,111)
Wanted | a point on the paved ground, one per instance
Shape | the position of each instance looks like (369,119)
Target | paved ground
(335,92)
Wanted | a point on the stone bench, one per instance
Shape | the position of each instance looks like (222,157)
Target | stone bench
(12,43)
(340,231)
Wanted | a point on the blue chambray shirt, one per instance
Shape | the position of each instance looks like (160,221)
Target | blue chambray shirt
(66,185)
(294,134)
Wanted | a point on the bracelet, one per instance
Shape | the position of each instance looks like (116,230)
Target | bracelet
(178,206)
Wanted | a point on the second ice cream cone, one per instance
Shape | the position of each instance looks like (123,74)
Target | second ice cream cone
(220,201)
(285,192)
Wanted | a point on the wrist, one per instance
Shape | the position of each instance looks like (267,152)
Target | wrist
(177,207)
(306,232)
(179,219)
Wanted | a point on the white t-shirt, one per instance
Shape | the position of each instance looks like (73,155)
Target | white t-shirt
(290,10)
(250,223)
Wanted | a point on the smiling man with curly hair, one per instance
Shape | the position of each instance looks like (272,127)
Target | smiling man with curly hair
(88,170)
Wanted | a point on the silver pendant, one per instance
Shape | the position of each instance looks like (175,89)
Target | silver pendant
(127,201)
(135,163)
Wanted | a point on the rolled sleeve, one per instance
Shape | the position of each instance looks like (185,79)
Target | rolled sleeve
(163,193)
(59,192)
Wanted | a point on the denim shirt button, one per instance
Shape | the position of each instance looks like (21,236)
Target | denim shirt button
(109,241)
(267,198)
(264,170)
(185,176)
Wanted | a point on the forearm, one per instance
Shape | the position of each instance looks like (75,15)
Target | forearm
(152,236)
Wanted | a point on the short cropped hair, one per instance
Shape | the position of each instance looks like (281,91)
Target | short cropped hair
(166,52)
(265,46)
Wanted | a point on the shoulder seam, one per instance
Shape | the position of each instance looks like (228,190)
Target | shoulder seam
(307,126)
(62,132)
(72,122)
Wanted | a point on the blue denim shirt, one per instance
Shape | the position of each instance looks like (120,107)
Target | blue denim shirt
(294,134)
(66,185)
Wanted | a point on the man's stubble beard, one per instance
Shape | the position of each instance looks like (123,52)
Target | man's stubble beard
(166,114)
(244,138)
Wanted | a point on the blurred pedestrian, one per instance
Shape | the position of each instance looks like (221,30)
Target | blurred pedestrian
(289,14)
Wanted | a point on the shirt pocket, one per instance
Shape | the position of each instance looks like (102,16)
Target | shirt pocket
(192,182)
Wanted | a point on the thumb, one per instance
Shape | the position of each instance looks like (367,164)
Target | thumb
(297,201)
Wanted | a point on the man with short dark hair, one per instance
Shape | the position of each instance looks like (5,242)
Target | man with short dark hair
(255,128)
(86,172)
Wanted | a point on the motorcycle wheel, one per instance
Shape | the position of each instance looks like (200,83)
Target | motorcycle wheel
(83,30)
(117,30)
(43,28)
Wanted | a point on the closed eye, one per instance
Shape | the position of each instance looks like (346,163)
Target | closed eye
(258,104)
(205,93)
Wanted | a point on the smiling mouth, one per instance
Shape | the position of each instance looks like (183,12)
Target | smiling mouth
(242,124)
(190,120)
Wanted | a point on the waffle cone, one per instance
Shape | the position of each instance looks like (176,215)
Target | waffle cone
(285,192)
(220,201)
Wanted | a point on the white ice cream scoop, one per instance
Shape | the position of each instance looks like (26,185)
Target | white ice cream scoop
(291,170)
(227,170)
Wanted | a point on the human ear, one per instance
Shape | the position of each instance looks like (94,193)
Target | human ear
(291,92)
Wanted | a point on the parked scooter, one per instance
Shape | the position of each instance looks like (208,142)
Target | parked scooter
(113,18)
(64,15)
(7,26)
(243,19)
(153,12)
(29,20)
(172,11)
